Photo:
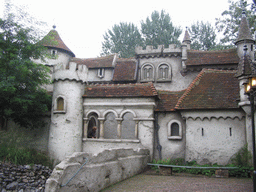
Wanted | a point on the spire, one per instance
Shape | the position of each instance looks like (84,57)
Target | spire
(53,40)
(186,37)
(244,33)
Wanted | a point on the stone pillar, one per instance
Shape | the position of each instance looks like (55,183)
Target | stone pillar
(101,127)
(86,121)
(136,129)
(119,127)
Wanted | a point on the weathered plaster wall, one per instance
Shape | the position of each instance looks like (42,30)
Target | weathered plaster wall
(177,82)
(99,170)
(214,137)
(171,148)
(93,75)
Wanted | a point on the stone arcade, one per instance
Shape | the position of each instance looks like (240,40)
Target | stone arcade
(176,102)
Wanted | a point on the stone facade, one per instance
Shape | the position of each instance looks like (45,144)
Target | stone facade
(176,102)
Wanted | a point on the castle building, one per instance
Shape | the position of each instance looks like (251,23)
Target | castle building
(176,102)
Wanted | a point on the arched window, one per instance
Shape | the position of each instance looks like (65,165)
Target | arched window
(93,126)
(110,126)
(174,130)
(128,127)
(147,73)
(59,105)
(163,72)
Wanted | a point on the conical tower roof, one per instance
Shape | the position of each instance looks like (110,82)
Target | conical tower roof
(186,36)
(53,40)
(244,33)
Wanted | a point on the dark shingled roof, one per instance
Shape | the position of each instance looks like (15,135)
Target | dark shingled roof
(168,100)
(120,90)
(125,70)
(244,32)
(99,62)
(212,57)
(53,40)
(212,89)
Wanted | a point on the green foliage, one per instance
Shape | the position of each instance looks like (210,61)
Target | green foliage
(203,36)
(229,23)
(242,157)
(121,39)
(159,30)
(22,98)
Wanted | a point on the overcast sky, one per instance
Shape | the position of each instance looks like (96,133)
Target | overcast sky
(82,23)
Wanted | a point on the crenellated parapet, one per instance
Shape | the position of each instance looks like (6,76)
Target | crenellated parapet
(71,71)
(160,51)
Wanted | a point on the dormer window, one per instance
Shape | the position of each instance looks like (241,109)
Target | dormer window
(100,72)
(54,53)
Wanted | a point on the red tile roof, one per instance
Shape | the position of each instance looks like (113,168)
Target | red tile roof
(125,70)
(212,57)
(52,39)
(120,90)
(168,100)
(99,62)
(212,89)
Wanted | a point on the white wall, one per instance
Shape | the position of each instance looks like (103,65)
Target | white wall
(215,144)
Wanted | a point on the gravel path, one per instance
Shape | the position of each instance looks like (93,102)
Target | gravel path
(181,182)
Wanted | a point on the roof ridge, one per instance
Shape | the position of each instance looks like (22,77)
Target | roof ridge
(190,87)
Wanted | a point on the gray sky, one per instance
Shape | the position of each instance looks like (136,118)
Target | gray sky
(82,23)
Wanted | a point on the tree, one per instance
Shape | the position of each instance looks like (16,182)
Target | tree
(122,39)
(159,30)
(229,23)
(21,97)
(203,36)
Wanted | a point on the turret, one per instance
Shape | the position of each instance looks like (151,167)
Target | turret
(184,47)
(65,135)
(245,38)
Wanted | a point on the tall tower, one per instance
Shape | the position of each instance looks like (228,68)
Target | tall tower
(65,135)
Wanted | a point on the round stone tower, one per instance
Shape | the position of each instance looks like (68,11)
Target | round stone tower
(65,135)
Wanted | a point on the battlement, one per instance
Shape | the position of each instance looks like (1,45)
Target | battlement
(159,51)
(70,71)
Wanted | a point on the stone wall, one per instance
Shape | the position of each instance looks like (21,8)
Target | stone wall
(99,170)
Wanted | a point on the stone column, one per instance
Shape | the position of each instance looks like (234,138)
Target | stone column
(136,129)
(119,127)
(101,127)
(86,121)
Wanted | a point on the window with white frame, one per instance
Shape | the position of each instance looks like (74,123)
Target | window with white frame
(174,130)
(147,73)
(100,73)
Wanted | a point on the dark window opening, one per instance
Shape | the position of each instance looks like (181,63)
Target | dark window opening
(175,129)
